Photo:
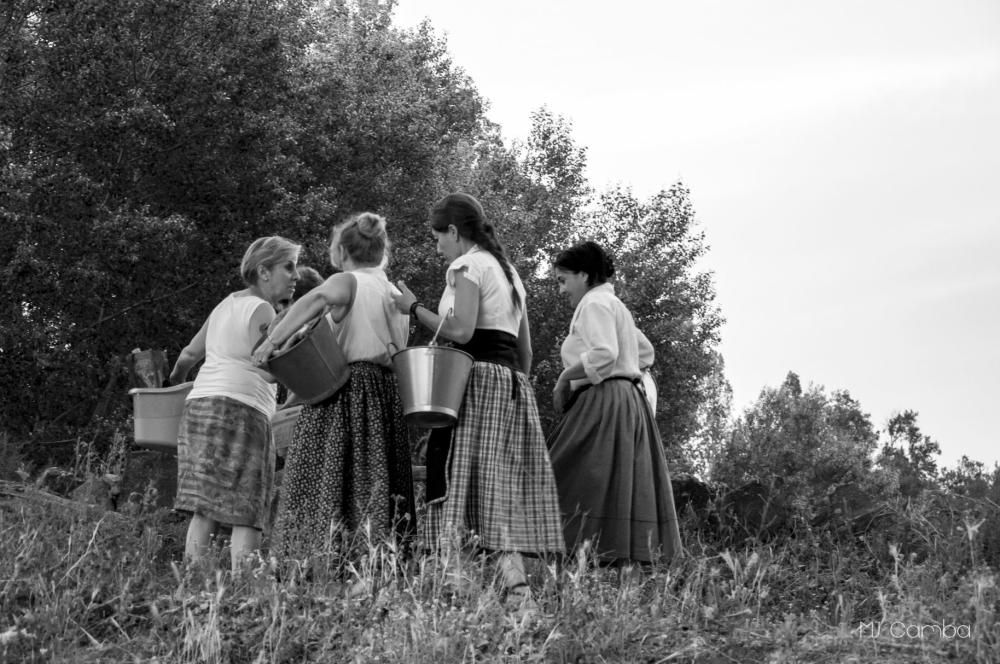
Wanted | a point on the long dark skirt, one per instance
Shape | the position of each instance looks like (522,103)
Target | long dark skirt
(614,487)
(225,462)
(348,466)
(500,486)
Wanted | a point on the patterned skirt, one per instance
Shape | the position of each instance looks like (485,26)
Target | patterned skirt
(500,486)
(348,466)
(614,488)
(225,462)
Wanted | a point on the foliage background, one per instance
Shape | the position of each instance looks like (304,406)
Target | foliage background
(145,144)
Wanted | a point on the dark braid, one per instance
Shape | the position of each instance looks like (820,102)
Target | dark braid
(466,214)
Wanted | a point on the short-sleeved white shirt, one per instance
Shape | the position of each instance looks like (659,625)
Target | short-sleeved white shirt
(496,300)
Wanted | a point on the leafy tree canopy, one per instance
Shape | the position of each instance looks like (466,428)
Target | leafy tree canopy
(145,143)
(805,440)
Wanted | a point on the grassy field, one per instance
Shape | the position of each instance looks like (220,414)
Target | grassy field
(90,586)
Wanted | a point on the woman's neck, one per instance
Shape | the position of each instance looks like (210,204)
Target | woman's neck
(255,290)
(350,265)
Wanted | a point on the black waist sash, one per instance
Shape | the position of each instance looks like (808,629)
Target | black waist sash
(491,346)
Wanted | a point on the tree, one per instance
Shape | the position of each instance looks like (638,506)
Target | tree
(971,478)
(806,441)
(145,143)
(705,449)
(909,454)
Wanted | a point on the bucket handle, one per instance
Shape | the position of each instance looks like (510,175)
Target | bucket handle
(440,325)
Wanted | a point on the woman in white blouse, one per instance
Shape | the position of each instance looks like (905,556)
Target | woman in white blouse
(489,477)
(614,488)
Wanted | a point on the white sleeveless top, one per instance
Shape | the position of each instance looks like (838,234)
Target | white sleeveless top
(496,300)
(228,370)
(373,321)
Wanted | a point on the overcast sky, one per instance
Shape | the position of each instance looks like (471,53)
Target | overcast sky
(843,159)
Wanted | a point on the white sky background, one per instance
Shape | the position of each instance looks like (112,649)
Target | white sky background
(843,159)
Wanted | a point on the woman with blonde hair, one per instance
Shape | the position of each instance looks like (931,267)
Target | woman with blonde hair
(225,450)
(348,464)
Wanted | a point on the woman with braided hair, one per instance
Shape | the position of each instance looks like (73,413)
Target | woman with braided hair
(489,476)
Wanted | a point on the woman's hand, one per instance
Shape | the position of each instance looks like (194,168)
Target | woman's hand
(262,352)
(405,298)
(178,375)
(561,394)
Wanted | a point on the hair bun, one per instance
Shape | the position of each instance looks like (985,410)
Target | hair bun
(371,225)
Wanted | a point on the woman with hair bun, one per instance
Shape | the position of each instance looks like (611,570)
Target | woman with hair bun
(348,463)
(225,450)
(614,488)
(490,476)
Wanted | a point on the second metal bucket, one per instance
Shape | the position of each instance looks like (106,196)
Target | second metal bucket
(431,384)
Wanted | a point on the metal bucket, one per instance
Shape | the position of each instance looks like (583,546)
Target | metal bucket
(314,367)
(431,384)
(157,415)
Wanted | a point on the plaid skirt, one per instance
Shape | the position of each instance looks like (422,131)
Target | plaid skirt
(500,487)
(614,488)
(348,467)
(225,462)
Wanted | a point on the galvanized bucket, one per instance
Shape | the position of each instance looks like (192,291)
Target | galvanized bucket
(431,384)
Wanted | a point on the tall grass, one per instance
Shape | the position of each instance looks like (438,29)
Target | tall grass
(92,587)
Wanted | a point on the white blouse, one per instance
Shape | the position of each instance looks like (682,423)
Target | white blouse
(603,336)
(496,302)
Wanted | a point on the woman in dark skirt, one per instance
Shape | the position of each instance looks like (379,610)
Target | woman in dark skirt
(225,450)
(614,488)
(490,476)
(348,467)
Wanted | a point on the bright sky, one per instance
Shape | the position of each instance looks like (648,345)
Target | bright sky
(843,159)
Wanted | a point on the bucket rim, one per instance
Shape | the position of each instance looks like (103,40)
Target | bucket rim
(285,351)
(180,387)
(434,347)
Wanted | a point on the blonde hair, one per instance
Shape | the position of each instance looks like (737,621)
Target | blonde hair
(267,252)
(364,238)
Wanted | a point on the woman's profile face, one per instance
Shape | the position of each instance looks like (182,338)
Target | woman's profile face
(573,284)
(278,282)
(447,243)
